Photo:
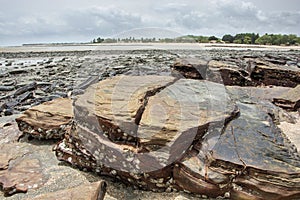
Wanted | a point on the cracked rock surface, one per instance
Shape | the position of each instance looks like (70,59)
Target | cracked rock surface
(154,129)
(236,146)
(146,150)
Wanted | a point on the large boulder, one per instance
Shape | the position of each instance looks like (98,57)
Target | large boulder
(142,152)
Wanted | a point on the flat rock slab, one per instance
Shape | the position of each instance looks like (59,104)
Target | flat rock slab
(292,131)
(47,120)
(29,168)
(9,133)
(20,168)
(260,93)
(183,110)
(91,191)
(118,104)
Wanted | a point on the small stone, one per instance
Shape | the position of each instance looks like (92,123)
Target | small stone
(6,88)
(8,112)
(227,195)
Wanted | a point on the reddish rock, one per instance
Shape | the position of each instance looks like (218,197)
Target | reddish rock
(20,170)
(9,133)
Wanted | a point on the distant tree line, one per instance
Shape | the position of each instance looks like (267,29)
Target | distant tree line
(270,39)
(124,40)
(240,38)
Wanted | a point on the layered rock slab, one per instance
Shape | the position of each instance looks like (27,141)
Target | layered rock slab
(250,72)
(289,100)
(173,119)
(271,74)
(48,120)
(226,73)
(252,159)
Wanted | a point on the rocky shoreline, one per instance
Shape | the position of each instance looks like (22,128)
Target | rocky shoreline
(258,88)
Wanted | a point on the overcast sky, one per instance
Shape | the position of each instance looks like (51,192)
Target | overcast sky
(34,21)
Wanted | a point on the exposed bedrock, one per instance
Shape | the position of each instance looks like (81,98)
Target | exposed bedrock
(250,72)
(161,133)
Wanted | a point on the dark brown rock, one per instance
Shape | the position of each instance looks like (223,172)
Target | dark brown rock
(270,169)
(256,72)
(18,71)
(26,88)
(271,74)
(216,71)
(228,74)
(191,68)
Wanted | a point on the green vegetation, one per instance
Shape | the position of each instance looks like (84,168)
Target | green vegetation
(278,39)
(240,38)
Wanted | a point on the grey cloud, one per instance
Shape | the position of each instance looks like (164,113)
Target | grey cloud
(105,21)
(86,23)
(82,21)
(232,16)
(282,22)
